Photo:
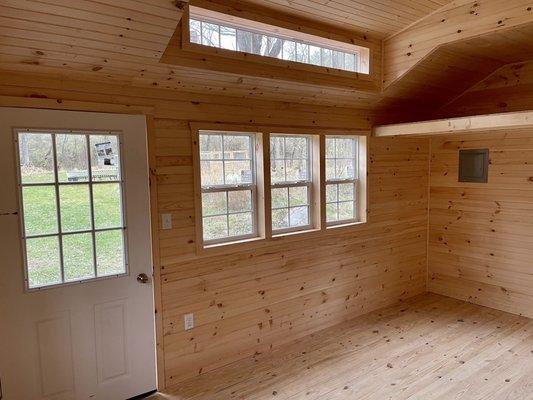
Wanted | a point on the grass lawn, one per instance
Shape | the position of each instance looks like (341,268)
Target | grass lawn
(40,217)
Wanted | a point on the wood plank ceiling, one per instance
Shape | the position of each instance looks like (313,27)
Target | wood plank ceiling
(122,41)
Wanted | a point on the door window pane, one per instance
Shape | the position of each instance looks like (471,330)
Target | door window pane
(40,210)
(107,205)
(71,153)
(105,157)
(110,253)
(36,157)
(75,207)
(78,256)
(42,258)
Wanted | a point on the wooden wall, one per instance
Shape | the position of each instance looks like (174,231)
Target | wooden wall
(481,235)
(249,302)
(508,89)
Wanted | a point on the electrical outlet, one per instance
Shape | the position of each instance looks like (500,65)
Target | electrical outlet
(188,320)
(166,221)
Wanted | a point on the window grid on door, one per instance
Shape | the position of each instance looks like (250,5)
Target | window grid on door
(104,188)
(291,182)
(341,179)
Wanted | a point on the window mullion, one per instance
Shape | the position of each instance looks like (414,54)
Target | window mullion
(58,210)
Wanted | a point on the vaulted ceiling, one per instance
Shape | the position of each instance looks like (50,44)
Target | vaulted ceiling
(434,49)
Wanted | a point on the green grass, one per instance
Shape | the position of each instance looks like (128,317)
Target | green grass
(40,217)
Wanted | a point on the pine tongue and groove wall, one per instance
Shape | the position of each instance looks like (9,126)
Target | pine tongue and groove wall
(251,301)
(481,235)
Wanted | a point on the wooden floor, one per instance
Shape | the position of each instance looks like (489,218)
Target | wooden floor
(430,347)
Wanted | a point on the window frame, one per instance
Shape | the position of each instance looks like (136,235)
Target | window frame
(354,181)
(56,185)
(252,187)
(299,183)
(265,236)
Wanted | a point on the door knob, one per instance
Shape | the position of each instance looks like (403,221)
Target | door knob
(142,278)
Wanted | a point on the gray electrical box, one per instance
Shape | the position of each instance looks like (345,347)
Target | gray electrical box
(474,165)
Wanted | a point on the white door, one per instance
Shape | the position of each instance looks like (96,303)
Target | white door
(75,323)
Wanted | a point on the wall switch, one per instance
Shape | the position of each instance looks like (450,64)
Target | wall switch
(166,221)
(188,320)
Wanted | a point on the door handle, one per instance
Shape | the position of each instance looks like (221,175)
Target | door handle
(142,278)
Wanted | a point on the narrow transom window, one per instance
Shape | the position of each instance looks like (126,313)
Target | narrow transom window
(341,179)
(291,182)
(214,29)
(228,186)
(71,188)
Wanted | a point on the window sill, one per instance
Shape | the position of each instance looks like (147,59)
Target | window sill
(345,225)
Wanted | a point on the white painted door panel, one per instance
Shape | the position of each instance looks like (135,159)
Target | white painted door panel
(92,340)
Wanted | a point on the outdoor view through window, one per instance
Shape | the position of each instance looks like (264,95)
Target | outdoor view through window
(228,36)
(72,212)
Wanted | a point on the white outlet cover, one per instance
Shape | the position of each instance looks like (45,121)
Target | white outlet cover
(188,321)
(166,221)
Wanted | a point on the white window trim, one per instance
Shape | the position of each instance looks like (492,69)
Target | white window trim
(355,181)
(231,187)
(56,184)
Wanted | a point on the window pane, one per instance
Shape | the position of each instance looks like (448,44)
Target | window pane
(280,218)
(215,227)
(330,147)
(275,46)
(302,52)
(289,50)
(110,253)
(330,168)
(277,147)
(299,216)
(214,203)
(228,38)
(210,147)
(346,210)
(349,62)
(212,173)
(277,171)
(298,196)
(345,148)
(331,193)
(78,256)
(239,200)
(296,147)
(240,224)
(210,35)
(244,41)
(42,256)
(40,211)
(297,170)
(280,198)
(327,58)
(107,205)
(237,147)
(344,168)
(75,207)
(338,59)
(331,212)
(105,157)
(71,153)
(346,192)
(315,56)
(259,44)
(36,157)
(195,32)
(237,172)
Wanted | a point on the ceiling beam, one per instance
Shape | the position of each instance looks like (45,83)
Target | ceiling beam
(474,123)
(456,21)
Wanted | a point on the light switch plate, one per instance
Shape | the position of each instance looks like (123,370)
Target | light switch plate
(188,321)
(166,221)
